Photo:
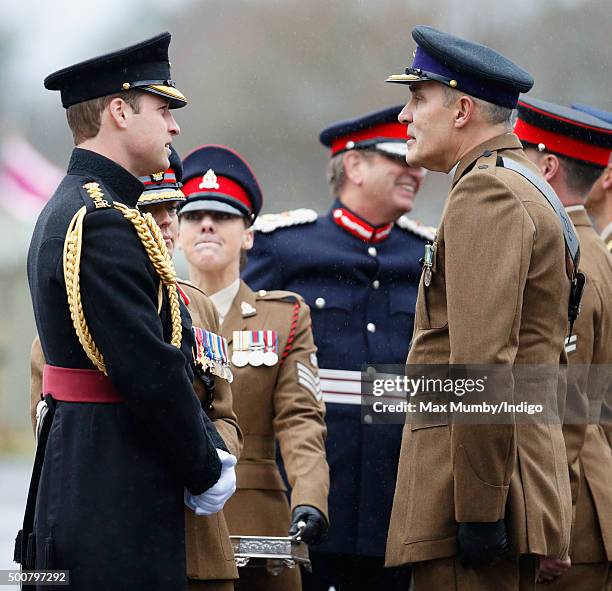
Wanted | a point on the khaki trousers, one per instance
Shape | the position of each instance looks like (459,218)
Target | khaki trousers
(259,579)
(585,577)
(447,574)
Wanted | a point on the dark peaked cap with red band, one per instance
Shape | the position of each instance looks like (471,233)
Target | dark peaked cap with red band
(469,67)
(164,186)
(564,131)
(215,178)
(144,66)
(379,130)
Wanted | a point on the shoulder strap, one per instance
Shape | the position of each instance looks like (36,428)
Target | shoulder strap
(93,196)
(572,245)
(569,234)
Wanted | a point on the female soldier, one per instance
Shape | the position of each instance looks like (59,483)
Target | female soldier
(276,382)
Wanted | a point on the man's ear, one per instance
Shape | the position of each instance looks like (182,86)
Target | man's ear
(606,178)
(550,166)
(464,110)
(353,163)
(118,111)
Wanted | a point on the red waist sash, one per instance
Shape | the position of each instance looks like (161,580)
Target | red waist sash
(78,385)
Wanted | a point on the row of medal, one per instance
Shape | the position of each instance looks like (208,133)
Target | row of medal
(211,353)
(255,347)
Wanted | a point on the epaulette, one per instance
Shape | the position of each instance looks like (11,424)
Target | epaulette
(294,217)
(94,196)
(278,295)
(426,232)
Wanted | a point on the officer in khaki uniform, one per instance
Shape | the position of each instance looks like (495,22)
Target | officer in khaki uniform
(474,503)
(210,557)
(571,149)
(599,200)
(276,389)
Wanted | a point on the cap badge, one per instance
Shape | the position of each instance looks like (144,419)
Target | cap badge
(158,176)
(209,180)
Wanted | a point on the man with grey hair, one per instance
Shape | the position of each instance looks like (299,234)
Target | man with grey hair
(475,503)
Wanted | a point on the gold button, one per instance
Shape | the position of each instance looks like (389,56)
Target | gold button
(453,83)
(126,86)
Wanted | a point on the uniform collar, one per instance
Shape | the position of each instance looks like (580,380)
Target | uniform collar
(357,226)
(243,307)
(223,299)
(607,232)
(578,215)
(501,142)
(125,185)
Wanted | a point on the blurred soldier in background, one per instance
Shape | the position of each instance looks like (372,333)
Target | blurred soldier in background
(276,382)
(475,502)
(357,267)
(571,148)
(599,199)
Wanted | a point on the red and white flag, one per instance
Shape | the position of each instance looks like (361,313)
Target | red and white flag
(27,179)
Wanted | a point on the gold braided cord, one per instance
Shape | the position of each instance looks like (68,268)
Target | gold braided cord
(72,266)
(155,247)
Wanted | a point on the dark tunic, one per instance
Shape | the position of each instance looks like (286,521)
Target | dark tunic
(360,283)
(111,491)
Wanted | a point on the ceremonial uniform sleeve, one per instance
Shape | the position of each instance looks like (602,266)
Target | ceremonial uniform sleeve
(222,412)
(120,298)
(263,270)
(487,244)
(299,419)
(37,363)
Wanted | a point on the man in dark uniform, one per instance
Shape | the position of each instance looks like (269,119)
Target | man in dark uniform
(125,434)
(357,268)
(571,149)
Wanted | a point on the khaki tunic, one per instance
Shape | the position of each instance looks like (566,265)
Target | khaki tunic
(499,294)
(208,547)
(283,404)
(591,346)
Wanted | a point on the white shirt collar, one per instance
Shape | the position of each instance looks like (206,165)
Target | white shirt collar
(571,208)
(607,232)
(224,298)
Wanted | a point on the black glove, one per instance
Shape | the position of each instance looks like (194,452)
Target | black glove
(316,524)
(482,544)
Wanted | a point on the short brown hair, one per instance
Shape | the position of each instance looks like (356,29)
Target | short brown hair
(84,118)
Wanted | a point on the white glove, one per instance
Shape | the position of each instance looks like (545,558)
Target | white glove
(214,498)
